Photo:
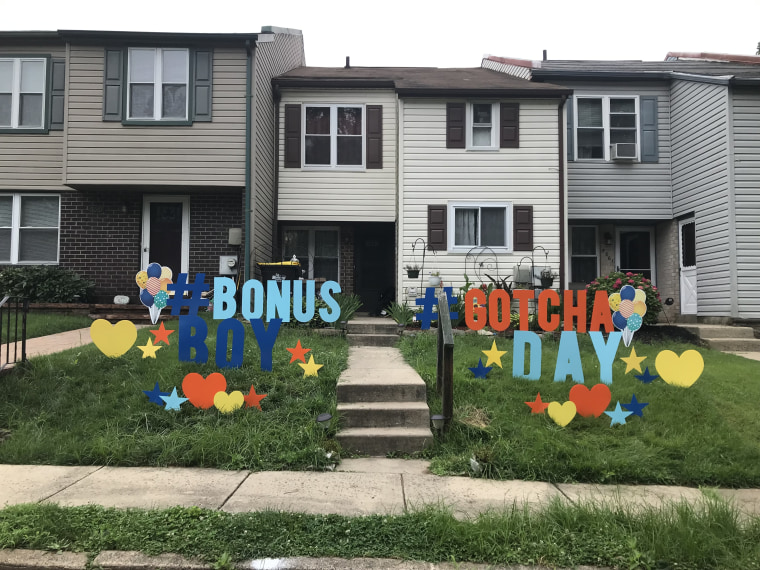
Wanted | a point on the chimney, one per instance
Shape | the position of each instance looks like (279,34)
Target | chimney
(348,62)
(544,55)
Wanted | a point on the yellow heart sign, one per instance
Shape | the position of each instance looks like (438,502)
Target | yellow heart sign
(562,414)
(681,370)
(113,340)
(228,403)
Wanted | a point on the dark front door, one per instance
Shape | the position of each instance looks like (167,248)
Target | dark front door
(166,234)
(374,247)
(635,253)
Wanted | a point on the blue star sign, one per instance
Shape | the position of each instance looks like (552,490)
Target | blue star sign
(647,378)
(155,394)
(481,371)
(618,415)
(636,407)
(173,402)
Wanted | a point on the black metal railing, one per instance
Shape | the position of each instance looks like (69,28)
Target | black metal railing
(13,311)
(444,382)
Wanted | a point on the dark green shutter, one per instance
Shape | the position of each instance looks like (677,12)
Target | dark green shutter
(57,90)
(374,136)
(437,227)
(509,131)
(570,141)
(113,81)
(292,136)
(523,228)
(455,125)
(202,72)
(649,146)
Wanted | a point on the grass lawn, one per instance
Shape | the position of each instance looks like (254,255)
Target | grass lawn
(703,435)
(80,407)
(42,324)
(706,536)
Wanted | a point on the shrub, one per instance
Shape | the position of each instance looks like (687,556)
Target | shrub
(402,314)
(349,304)
(613,282)
(45,284)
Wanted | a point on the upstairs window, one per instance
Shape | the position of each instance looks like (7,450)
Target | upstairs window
(333,136)
(158,84)
(484,224)
(22,93)
(607,127)
(483,118)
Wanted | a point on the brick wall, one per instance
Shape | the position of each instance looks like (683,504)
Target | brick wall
(347,260)
(101,235)
(668,267)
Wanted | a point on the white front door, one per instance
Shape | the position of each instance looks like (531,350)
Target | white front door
(687,242)
(166,232)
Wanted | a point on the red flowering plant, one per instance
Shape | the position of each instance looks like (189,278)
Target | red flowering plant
(613,282)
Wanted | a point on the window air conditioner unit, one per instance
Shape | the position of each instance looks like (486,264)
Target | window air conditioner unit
(623,151)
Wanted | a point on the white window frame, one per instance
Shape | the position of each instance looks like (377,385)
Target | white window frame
(158,85)
(606,125)
(311,246)
(495,122)
(596,253)
(16,93)
(334,137)
(16,227)
(451,224)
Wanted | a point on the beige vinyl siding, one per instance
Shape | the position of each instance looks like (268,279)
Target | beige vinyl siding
(629,190)
(433,174)
(701,185)
(746,122)
(341,195)
(271,59)
(35,161)
(203,154)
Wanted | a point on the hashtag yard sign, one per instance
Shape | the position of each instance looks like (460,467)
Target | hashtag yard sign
(429,302)
(196,289)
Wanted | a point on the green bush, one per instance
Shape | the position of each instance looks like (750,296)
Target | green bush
(45,284)
(402,314)
(613,282)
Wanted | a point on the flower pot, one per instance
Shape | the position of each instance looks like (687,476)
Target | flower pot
(546,282)
(412,273)
(434,280)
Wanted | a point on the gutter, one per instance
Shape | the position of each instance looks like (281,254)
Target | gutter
(562,160)
(249,47)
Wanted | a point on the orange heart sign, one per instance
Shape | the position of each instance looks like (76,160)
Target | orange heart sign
(200,391)
(590,402)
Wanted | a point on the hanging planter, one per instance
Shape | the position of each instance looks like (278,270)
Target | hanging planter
(547,278)
(412,271)
(435,279)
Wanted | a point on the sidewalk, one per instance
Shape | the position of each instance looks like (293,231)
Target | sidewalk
(358,487)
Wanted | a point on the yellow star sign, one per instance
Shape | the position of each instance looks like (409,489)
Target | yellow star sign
(494,355)
(310,369)
(149,350)
(633,362)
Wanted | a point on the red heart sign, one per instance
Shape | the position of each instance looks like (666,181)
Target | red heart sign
(590,402)
(201,391)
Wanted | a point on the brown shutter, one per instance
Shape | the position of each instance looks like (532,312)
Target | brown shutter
(292,136)
(455,125)
(437,227)
(374,136)
(523,228)
(509,132)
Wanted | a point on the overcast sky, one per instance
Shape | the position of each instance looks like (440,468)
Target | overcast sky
(424,33)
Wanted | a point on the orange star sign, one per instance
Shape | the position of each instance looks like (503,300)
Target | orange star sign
(298,353)
(162,335)
(537,406)
(253,399)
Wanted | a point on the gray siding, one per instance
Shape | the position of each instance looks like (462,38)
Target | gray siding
(32,162)
(633,191)
(199,155)
(701,185)
(746,120)
(271,59)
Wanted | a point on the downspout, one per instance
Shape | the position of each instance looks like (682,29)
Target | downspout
(562,158)
(249,47)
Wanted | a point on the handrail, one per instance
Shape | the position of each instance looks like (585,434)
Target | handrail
(5,306)
(444,382)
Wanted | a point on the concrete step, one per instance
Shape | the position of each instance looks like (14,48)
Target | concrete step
(370,385)
(381,441)
(371,339)
(734,344)
(719,331)
(686,319)
(385,414)
(371,326)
